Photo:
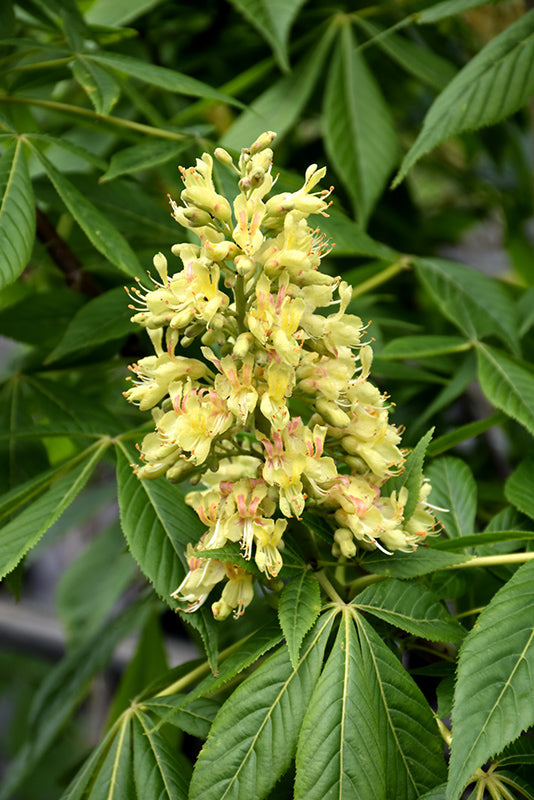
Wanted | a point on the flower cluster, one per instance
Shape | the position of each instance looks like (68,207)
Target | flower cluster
(270,332)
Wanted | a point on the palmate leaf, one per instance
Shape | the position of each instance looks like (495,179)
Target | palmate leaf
(412,475)
(259,643)
(281,104)
(427,66)
(300,603)
(454,488)
(273,19)
(359,133)
(368,732)
(411,565)
(17,214)
(254,736)
(24,531)
(141,156)
(120,12)
(100,86)
(165,78)
(519,488)
(479,306)
(98,229)
(81,609)
(411,607)
(192,716)
(447,8)
(158,525)
(102,319)
(507,384)
(480,539)
(494,84)
(64,688)
(160,772)
(423,346)
(114,779)
(493,699)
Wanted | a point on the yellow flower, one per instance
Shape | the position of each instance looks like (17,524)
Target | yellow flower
(199,416)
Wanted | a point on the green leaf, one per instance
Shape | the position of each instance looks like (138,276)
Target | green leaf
(98,229)
(160,772)
(413,473)
(167,79)
(103,319)
(368,731)
(53,309)
(158,525)
(411,607)
(507,384)
(273,20)
(426,65)
(447,8)
(23,532)
(17,214)
(254,735)
(120,12)
(410,565)
(252,648)
(479,306)
(64,688)
(464,432)
(281,104)
(114,779)
(231,552)
(494,84)
(101,88)
(437,793)
(463,376)
(58,408)
(484,538)
(193,716)
(81,609)
(423,346)
(493,700)
(454,488)
(300,604)
(148,664)
(350,239)
(141,156)
(359,133)
(519,488)
(77,789)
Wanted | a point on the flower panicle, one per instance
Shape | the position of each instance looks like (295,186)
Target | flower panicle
(272,328)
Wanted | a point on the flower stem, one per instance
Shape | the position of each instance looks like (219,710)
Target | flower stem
(240,302)
(381,277)
(367,580)
(329,589)
(491,561)
(199,671)
(86,112)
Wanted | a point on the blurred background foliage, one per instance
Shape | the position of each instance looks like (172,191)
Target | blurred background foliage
(99,103)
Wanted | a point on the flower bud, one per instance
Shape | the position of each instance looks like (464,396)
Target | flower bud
(263,141)
(196,217)
(245,266)
(331,412)
(344,539)
(160,262)
(223,156)
(242,345)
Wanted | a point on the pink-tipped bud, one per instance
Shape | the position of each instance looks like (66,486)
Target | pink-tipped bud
(265,140)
